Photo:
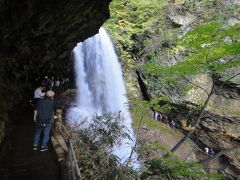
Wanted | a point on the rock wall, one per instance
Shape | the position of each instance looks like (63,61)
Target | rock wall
(36,39)
(215,132)
(41,34)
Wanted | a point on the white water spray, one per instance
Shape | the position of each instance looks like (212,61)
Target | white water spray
(100,87)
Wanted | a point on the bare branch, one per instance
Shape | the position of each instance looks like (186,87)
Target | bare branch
(233,77)
(133,148)
(168,176)
(206,56)
(224,151)
(197,85)
(197,121)
(233,58)
(190,153)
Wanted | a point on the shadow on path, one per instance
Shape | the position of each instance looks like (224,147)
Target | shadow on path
(21,162)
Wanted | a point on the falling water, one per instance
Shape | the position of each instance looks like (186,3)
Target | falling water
(100,87)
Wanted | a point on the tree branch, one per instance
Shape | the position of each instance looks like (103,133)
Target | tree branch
(197,121)
(196,85)
(133,148)
(219,154)
(232,77)
(190,153)
(232,59)
(206,56)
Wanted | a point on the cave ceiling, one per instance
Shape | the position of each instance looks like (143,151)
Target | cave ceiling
(37,36)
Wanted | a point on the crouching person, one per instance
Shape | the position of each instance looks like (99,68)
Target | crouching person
(45,113)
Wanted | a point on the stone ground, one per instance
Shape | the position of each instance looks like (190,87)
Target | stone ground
(21,162)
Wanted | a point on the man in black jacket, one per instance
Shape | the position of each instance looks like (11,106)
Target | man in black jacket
(45,113)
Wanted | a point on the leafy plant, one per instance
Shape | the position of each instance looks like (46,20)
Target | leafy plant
(130,20)
(93,148)
(145,39)
(172,168)
(206,50)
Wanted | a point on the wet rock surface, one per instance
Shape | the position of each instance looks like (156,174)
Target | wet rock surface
(37,37)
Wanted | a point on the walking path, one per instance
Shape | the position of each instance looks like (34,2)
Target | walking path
(21,162)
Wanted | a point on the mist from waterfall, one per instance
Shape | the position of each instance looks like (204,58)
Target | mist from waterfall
(100,87)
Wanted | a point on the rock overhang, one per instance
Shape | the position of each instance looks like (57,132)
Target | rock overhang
(37,36)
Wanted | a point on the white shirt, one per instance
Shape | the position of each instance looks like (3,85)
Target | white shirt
(206,150)
(57,83)
(38,94)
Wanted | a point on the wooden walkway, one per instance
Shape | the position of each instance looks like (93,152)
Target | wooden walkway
(21,162)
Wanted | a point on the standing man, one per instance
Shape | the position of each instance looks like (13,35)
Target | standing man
(45,113)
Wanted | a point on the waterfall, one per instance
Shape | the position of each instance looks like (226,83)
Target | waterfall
(100,87)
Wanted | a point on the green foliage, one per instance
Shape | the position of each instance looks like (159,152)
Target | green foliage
(207,45)
(144,36)
(158,146)
(171,167)
(141,107)
(160,104)
(93,149)
(107,129)
(140,110)
(96,162)
(130,18)
(204,47)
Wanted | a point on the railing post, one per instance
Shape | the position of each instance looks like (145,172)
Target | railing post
(65,151)
(57,123)
(57,139)
(59,113)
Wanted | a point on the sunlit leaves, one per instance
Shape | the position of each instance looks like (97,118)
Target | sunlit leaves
(208,42)
(130,18)
(92,148)
(171,166)
(206,47)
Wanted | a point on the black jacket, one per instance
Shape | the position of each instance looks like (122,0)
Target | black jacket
(45,110)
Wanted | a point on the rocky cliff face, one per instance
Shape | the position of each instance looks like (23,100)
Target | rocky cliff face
(214,131)
(219,129)
(36,39)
